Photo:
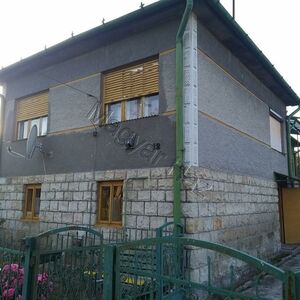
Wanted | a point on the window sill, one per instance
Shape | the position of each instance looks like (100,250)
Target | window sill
(108,226)
(27,220)
(20,140)
(125,121)
(282,153)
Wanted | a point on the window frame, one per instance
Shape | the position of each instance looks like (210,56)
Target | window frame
(279,119)
(150,88)
(26,215)
(123,108)
(111,185)
(29,127)
(31,107)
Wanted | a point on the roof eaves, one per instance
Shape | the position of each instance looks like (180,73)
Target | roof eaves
(222,13)
(120,22)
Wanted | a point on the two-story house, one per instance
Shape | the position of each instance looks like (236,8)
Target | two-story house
(169,111)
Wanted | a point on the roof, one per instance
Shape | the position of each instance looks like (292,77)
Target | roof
(210,12)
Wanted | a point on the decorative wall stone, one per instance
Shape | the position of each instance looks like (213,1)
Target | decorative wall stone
(240,211)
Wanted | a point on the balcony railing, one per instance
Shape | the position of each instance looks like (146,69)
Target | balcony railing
(293,130)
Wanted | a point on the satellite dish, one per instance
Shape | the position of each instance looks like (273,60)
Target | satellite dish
(31,145)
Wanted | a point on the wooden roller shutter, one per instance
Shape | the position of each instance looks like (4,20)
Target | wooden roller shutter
(132,82)
(32,107)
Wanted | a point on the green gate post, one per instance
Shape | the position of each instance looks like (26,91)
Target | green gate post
(29,277)
(159,265)
(290,286)
(109,272)
(297,285)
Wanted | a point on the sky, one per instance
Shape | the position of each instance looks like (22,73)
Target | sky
(26,27)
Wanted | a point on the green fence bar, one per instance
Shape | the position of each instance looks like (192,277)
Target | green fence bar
(109,272)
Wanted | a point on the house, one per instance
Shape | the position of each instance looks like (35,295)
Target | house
(122,149)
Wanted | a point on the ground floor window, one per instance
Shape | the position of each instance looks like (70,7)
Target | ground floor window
(32,201)
(110,200)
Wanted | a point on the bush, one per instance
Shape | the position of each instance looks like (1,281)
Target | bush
(12,280)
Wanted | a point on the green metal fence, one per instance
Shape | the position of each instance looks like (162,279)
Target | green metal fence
(64,263)
(161,268)
(293,145)
(81,263)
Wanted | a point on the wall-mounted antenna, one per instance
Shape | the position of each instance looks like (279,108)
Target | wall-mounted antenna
(13,153)
(31,145)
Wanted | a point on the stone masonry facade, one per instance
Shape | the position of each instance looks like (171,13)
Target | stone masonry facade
(239,211)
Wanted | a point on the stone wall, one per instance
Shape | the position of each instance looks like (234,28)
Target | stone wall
(72,199)
(238,211)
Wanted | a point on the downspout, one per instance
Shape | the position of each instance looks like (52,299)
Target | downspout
(289,142)
(178,166)
(2,109)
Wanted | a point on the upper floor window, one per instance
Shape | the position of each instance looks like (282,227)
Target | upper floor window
(30,111)
(132,92)
(25,126)
(276,131)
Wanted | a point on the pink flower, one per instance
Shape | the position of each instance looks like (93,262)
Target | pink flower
(43,277)
(21,271)
(20,281)
(9,293)
(6,268)
(14,267)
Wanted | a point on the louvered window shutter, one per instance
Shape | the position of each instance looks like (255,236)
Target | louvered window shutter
(32,107)
(132,82)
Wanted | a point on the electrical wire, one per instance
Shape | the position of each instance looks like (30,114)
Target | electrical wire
(89,95)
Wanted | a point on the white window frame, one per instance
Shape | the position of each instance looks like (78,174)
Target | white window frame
(276,131)
(29,127)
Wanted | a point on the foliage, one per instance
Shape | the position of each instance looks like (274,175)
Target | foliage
(12,280)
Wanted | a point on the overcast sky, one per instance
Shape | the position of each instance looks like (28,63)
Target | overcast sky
(27,26)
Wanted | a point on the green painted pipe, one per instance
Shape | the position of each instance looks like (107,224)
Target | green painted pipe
(178,166)
(289,142)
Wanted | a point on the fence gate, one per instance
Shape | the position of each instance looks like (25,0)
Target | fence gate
(179,268)
(65,263)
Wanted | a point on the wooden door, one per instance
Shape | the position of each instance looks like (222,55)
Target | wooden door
(291,215)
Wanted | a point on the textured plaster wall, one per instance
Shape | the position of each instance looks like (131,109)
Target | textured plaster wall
(152,42)
(83,152)
(234,129)
(224,58)
(69,108)
(224,148)
(223,98)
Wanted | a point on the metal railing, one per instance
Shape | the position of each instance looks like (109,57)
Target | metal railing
(293,137)
(63,263)
(80,263)
(165,268)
